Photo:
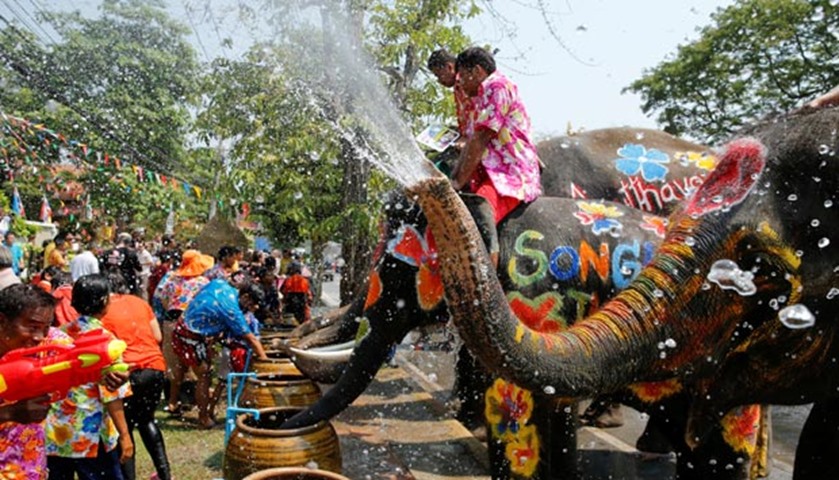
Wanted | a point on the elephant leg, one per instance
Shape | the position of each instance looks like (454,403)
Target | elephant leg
(560,440)
(817,453)
(470,384)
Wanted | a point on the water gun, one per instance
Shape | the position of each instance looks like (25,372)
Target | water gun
(32,372)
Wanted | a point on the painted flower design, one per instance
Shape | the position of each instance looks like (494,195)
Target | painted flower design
(635,159)
(508,408)
(601,217)
(703,160)
(523,452)
(740,428)
(652,223)
(420,251)
(650,392)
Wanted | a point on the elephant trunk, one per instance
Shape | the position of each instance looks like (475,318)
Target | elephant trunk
(362,367)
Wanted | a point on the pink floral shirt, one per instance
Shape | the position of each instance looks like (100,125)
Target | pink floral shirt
(22,449)
(510,159)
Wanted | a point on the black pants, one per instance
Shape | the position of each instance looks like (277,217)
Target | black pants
(104,467)
(147,386)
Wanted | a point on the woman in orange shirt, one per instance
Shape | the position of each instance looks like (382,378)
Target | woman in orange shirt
(130,318)
(297,294)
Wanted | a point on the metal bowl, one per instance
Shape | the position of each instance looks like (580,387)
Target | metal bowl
(323,364)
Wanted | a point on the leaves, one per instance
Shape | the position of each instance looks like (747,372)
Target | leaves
(758,57)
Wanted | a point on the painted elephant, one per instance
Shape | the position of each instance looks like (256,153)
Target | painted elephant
(394,279)
(563,257)
(738,305)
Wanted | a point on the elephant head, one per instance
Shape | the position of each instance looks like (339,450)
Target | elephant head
(743,259)
(561,255)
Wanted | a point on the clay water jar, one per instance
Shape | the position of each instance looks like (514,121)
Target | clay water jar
(278,362)
(294,474)
(268,390)
(260,444)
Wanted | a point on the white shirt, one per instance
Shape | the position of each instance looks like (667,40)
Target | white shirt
(83,264)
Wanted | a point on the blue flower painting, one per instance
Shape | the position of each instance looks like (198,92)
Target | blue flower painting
(636,159)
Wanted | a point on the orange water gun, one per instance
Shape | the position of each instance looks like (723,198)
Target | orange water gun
(32,372)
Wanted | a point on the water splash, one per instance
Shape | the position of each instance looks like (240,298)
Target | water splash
(797,317)
(393,149)
(727,274)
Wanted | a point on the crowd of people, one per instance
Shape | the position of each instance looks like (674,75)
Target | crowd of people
(174,309)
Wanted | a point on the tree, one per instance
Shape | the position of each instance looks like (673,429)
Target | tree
(757,57)
(122,83)
(313,41)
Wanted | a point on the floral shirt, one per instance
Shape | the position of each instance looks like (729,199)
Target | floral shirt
(76,424)
(22,446)
(464,108)
(218,271)
(177,292)
(216,310)
(510,159)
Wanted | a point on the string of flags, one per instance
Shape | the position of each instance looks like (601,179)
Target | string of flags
(12,141)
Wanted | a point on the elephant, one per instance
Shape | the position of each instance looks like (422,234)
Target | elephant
(393,278)
(738,304)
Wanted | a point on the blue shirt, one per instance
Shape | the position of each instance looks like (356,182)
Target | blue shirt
(17,255)
(215,309)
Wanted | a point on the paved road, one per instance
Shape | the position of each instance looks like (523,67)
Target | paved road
(425,379)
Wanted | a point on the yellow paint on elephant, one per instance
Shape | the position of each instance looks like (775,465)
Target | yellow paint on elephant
(650,392)
(703,160)
(523,453)
(519,333)
(507,411)
(740,428)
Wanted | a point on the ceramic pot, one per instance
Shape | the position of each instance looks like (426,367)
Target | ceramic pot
(278,362)
(294,474)
(260,444)
(268,390)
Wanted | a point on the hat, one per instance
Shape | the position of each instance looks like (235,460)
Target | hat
(194,263)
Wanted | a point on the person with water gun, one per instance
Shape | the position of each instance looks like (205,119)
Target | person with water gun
(26,313)
(86,432)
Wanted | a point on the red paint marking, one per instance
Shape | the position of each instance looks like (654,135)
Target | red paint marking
(732,179)
(536,317)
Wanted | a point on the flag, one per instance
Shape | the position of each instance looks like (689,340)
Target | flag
(17,204)
(46,211)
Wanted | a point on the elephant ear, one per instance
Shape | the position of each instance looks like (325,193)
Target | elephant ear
(731,180)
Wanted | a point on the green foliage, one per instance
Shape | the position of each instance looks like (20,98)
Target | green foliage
(122,83)
(758,57)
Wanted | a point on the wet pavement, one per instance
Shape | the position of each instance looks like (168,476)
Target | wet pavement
(401,428)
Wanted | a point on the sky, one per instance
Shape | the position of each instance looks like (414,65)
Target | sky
(614,40)
(608,44)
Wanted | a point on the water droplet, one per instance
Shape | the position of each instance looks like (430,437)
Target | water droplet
(690,241)
(662,355)
(823,242)
(797,316)
(828,203)
(824,149)
(832,293)
(657,293)
(639,136)
(564,145)
(792,197)
(298,195)
(400,304)
(727,274)
(476,302)
(670,343)
(815,222)
(549,390)
(661,345)
(432,377)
